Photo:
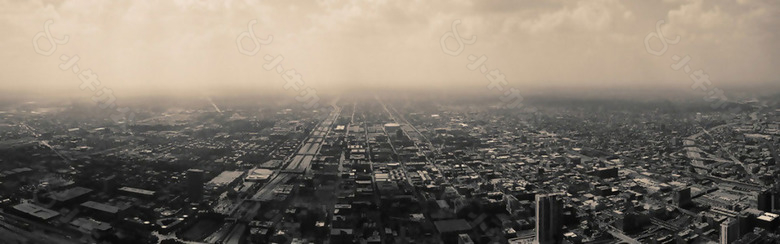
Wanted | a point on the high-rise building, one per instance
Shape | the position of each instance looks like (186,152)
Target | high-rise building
(729,231)
(765,201)
(776,201)
(549,225)
(682,197)
(745,224)
(195,184)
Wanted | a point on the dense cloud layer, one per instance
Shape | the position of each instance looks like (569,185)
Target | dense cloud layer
(189,47)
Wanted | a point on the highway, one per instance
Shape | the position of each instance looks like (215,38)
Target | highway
(45,143)
(692,151)
(301,161)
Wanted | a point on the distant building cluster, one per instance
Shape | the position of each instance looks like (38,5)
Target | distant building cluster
(394,172)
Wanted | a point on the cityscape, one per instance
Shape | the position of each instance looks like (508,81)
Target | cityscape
(372,169)
(389,122)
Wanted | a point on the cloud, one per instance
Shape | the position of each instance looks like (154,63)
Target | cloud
(585,16)
(183,46)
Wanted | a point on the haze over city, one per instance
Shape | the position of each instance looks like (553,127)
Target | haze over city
(390,122)
(189,47)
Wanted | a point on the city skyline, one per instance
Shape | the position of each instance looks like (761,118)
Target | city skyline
(389,122)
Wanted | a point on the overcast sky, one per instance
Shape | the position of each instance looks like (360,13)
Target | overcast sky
(189,47)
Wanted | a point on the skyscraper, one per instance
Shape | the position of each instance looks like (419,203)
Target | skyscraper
(729,231)
(776,201)
(765,201)
(195,184)
(682,197)
(549,208)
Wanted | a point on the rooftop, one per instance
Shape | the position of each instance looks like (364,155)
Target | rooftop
(452,225)
(69,194)
(225,178)
(90,224)
(100,206)
(36,211)
(137,191)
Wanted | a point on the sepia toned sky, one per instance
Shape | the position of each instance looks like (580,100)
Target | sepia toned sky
(189,46)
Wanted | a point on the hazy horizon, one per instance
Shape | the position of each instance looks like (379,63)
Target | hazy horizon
(188,48)
(378,121)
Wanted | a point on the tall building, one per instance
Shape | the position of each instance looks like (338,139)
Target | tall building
(729,231)
(745,223)
(195,184)
(776,195)
(549,225)
(765,201)
(776,201)
(682,197)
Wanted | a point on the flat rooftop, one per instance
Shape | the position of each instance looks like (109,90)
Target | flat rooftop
(225,178)
(36,211)
(137,191)
(452,225)
(69,194)
(100,206)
